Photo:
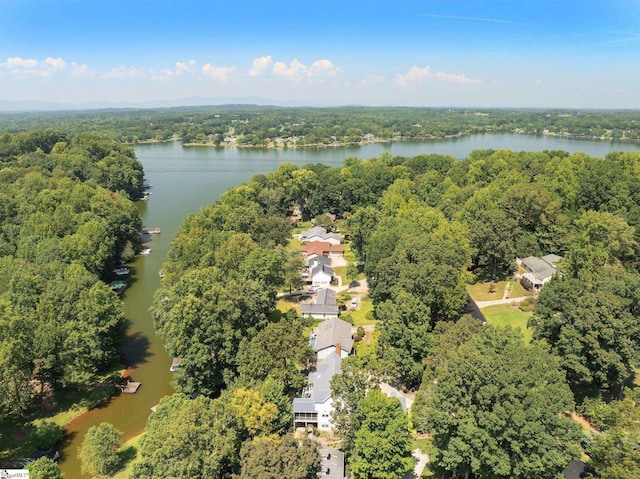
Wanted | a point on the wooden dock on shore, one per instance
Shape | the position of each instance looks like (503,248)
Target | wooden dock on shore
(130,388)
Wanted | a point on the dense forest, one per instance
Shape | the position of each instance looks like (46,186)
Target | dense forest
(66,219)
(491,403)
(248,125)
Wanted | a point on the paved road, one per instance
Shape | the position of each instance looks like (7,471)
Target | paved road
(518,300)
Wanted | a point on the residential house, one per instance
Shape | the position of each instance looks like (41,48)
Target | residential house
(314,408)
(324,307)
(322,248)
(330,336)
(316,259)
(318,233)
(321,276)
(539,271)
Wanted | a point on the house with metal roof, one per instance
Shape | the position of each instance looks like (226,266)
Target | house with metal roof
(539,271)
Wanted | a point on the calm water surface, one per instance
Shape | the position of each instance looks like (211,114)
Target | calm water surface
(185,179)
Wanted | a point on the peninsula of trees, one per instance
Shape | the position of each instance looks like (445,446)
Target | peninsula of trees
(492,403)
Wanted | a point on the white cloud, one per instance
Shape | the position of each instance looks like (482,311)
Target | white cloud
(123,72)
(217,73)
(372,80)
(417,75)
(181,68)
(78,70)
(56,63)
(260,66)
(296,71)
(324,69)
(30,66)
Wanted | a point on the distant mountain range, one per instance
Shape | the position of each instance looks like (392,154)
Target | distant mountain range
(35,105)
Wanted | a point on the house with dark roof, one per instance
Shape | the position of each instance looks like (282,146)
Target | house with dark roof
(539,271)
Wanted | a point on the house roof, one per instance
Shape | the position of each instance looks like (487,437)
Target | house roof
(321,248)
(322,268)
(322,237)
(319,259)
(326,309)
(316,230)
(320,380)
(540,268)
(304,405)
(326,296)
(552,258)
(332,332)
(575,470)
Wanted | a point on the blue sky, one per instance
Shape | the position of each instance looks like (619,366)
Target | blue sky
(505,53)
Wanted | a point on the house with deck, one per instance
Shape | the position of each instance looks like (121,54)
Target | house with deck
(538,271)
(315,406)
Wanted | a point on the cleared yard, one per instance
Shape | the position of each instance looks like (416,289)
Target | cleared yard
(480,291)
(505,315)
(365,308)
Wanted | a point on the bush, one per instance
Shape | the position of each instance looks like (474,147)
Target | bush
(360,332)
(528,305)
(47,434)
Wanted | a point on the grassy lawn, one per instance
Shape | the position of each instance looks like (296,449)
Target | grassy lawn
(505,315)
(518,290)
(349,255)
(342,272)
(128,454)
(480,291)
(360,315)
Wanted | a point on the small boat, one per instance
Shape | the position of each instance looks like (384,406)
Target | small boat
(155,231)
(161,274)
(146,251)
(122,271)
(118,286)
(175,364)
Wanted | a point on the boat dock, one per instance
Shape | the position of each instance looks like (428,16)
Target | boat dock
(130,388)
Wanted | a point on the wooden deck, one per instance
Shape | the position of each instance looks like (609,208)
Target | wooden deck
(130,388)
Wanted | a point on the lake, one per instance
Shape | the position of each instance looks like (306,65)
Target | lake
(184,180)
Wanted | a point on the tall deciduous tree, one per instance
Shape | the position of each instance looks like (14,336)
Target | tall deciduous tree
(98,452)
(593,326)
(382,444)
(279,457)
(499,409)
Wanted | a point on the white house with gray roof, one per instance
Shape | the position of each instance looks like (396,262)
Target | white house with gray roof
(315,406)
(324,307)
(321,275)
(318,233)
(330,336)
(539,271)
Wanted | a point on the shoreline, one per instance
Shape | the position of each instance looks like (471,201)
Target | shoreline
(274,146)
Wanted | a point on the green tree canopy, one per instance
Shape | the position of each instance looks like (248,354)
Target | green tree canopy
(498,409)
(98,452)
